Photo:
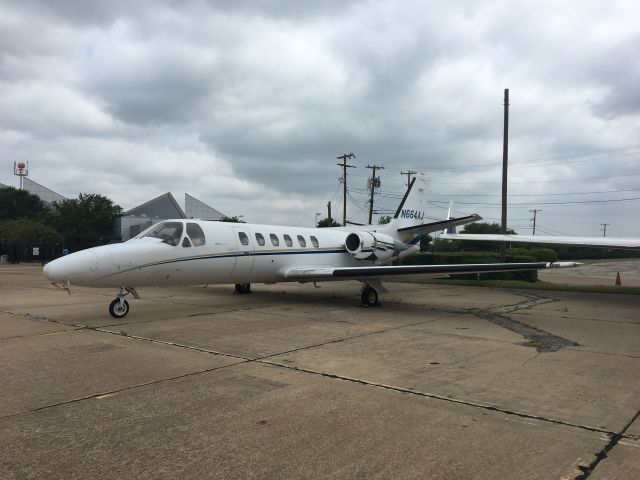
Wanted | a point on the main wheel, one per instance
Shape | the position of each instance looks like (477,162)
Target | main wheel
(369,296)
(117,309)
(243,288)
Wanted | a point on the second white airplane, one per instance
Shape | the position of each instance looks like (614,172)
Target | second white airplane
(196,252)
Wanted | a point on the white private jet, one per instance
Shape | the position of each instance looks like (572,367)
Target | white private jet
(196,252)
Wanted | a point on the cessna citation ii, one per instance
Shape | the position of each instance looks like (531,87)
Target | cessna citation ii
(196,252)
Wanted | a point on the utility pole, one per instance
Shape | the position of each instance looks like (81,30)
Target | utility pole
(373,186)
(329,212)
(505,161)
(604,229)
(344,179)
(408,174)
(535,210)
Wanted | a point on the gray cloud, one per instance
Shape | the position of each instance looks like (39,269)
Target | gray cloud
(252,101)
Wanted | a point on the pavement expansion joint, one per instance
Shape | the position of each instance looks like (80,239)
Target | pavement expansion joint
(39,317)
(102,395)
(609,434)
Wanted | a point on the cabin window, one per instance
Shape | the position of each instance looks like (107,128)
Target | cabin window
(260,239)
(302,241)
(314,241)
(186,242)
(168,232)
(196,234)
(274,239)
(244,240)
(288,241)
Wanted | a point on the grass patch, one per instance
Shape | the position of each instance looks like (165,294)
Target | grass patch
(531,286)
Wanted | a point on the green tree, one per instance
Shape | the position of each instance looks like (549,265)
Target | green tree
(425,240)
(16,204)
(234,219)
(28,231)
(328,222)
(86,221)
(384,219)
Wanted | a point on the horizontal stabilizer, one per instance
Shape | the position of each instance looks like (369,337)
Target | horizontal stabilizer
(440,225)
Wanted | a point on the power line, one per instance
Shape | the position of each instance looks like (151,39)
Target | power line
(553,160)
(344,168)
(532,194)
(541,181)
(375,182)
(535,211)
(408,173)
(547,203)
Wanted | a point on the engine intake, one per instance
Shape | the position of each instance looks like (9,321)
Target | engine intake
(371,246)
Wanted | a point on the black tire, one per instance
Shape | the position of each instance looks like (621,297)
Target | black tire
(243,288)
(369,297)
(118,310)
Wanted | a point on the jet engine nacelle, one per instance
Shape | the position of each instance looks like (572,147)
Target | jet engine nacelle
(372,246)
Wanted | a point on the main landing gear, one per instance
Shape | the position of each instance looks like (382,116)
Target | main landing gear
(369,297)
(243,288)
(120,307)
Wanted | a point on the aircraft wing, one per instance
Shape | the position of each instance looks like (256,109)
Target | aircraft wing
(440,225)
(611,242)
(311,274)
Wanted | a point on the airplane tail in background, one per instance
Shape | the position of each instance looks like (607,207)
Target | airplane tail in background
(451,229)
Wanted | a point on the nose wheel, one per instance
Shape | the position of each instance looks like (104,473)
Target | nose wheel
(119,308)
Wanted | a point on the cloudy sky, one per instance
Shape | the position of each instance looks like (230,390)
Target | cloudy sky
(245,105)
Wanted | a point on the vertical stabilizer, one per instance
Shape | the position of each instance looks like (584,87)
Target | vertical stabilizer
(414,204)
(450,215)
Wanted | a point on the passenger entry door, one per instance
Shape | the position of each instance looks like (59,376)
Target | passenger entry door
(244,259)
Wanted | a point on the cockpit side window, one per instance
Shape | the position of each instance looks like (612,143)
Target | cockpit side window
(168,232)
(196,234)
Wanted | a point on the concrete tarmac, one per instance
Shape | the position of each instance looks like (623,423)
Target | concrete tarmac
(293,381)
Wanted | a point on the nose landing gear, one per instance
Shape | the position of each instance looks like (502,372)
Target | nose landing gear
(119,307)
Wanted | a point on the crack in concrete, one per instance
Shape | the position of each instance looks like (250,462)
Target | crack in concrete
(544,341)
(602,454)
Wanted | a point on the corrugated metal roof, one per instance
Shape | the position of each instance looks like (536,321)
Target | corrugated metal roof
(164,206)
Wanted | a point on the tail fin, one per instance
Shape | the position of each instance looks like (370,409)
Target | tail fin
(409,221)
(451,229)
(414,204)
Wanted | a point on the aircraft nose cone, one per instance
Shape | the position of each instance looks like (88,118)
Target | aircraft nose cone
(76,268)
(53,271)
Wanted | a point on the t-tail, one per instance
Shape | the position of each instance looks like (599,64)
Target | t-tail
(410,221)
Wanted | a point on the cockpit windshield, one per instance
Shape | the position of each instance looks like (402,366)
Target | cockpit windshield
(168,232)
